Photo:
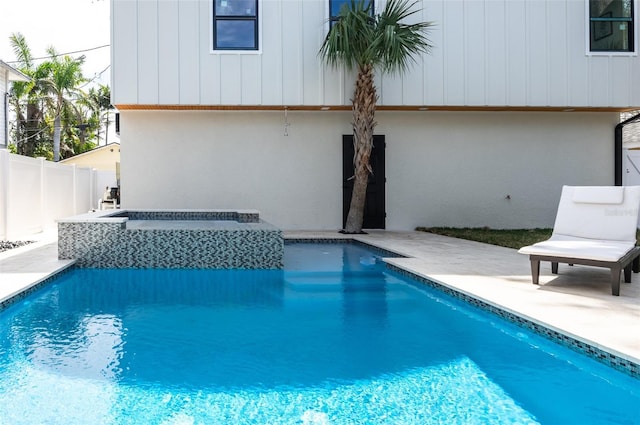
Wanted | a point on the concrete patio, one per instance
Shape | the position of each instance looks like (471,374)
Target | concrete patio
(576,302)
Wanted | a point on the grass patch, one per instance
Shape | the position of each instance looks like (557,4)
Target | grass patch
(511,238)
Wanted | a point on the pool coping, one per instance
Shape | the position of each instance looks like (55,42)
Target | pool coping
(35,286)
(573,342)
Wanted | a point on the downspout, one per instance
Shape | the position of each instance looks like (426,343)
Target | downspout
(617,149)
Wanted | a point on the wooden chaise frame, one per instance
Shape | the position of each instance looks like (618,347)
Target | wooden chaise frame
(629,262)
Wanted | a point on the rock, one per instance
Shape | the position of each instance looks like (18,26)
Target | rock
(7,245)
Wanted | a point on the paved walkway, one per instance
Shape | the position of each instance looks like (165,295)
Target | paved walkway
(577,302)
(26,266)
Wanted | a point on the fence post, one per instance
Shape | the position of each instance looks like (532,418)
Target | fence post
(92,189)
(75,190)
(43,199)
(4,194)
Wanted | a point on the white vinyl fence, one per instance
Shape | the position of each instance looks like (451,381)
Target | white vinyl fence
(34,193)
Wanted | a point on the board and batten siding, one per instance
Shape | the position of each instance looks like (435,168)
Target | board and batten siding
(521,53)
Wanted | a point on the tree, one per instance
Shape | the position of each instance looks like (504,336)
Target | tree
(100,100)
(62,86)
(366,42)
(30,130)
(52,111)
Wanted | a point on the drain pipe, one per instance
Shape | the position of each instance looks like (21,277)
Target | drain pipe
(617,149)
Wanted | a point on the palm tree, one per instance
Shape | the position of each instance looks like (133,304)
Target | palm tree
(62,84)
(367,42)
(54,117)
(79,127)
(100,101)
(31,130)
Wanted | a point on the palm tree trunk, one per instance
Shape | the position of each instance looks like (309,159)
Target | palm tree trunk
(56,139)
(106,130)
(30,126)
(364,109)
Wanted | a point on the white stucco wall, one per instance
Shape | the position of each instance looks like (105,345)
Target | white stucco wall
(442,168)
(457,169)
(195,159)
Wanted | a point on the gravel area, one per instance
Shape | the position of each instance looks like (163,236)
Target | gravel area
(7,245)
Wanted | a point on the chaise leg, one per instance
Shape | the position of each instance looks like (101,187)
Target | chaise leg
(627,274)
(535,271)
(636,265)
(554,267)
(615,280)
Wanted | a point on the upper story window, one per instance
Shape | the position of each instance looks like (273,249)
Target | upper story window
(235,24)
(336,5)
(611,26)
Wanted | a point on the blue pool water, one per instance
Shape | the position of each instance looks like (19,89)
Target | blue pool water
(332,339)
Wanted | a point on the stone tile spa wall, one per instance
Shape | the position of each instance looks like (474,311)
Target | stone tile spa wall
(163,240)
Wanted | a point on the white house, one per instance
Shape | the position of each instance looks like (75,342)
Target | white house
(226,104)
(7,74)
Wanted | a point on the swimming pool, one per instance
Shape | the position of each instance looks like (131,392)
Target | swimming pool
(334,338)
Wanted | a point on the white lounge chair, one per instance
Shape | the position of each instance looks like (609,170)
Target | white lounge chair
(595,226)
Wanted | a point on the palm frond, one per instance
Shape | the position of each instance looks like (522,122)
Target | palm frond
(384,41)
(399,43)
(348,41)
(21,51)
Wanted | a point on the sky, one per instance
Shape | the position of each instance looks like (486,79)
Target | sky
(67,25)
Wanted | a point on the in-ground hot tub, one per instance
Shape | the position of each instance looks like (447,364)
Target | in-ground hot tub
(211,239)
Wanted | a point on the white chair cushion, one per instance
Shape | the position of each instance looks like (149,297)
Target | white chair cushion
(598,194)
(570,247)
(583,212)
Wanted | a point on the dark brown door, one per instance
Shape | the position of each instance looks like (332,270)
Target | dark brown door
(374,209)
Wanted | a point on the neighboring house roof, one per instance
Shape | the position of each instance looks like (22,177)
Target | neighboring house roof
(631,132)
(102,158)
(14,74)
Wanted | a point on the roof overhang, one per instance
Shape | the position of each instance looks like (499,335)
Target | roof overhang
(155,107)
(94,150)
(14,74)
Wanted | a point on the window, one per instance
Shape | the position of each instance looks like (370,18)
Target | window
(235,24)
(611,26)
(336,5)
